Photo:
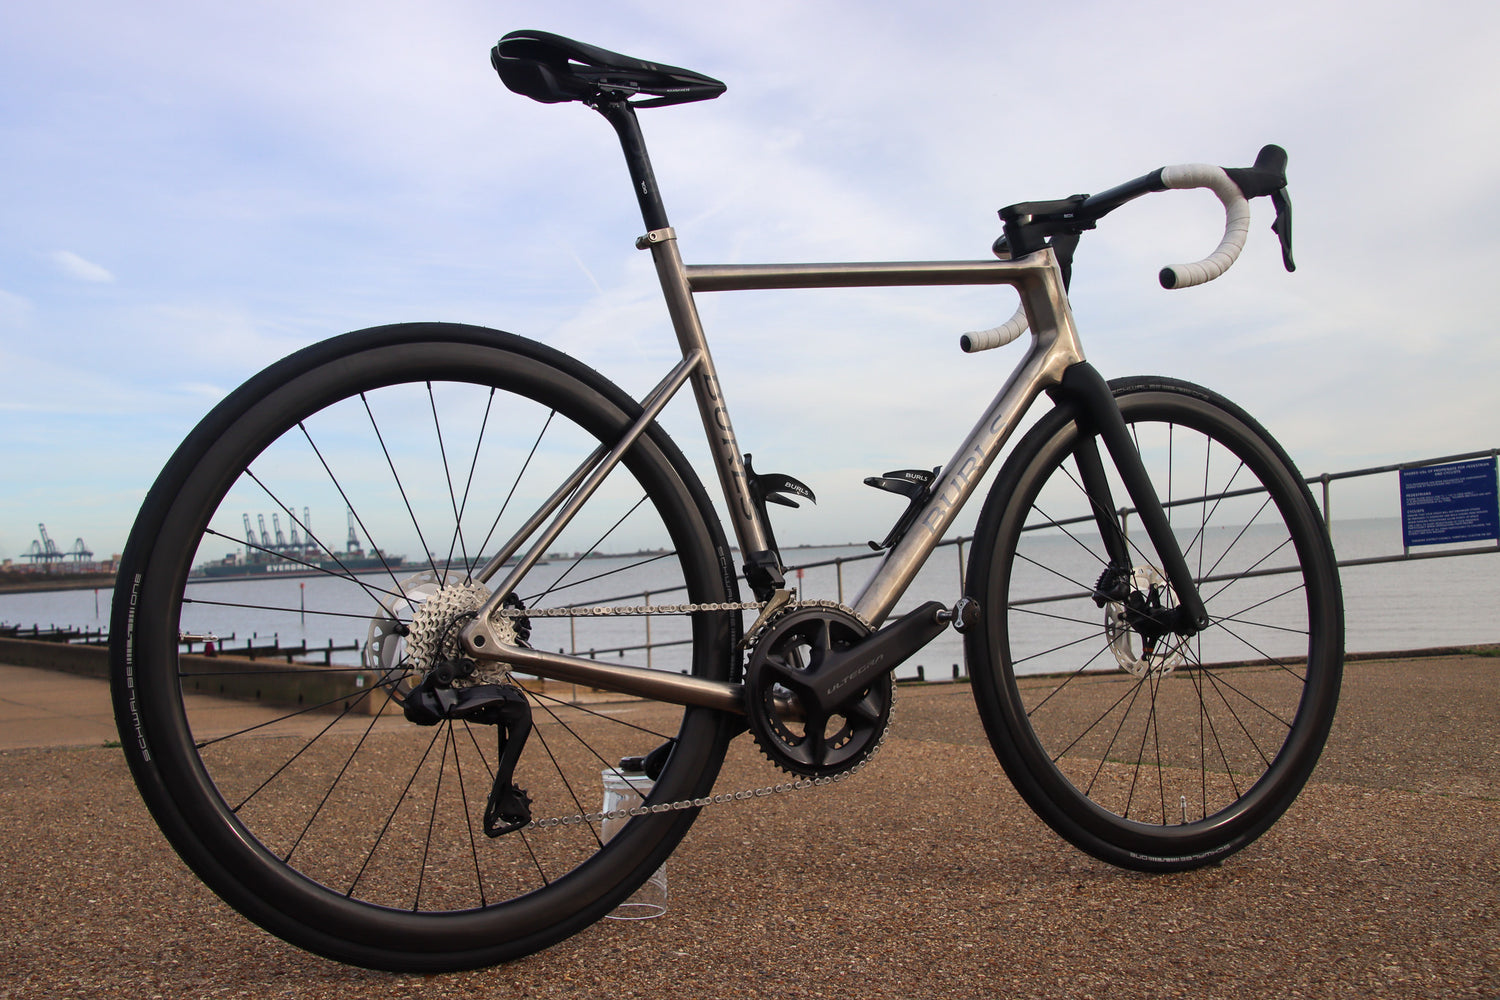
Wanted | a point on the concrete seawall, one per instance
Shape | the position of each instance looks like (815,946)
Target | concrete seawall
(267,681)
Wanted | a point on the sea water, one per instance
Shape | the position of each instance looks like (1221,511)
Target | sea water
(1394,606)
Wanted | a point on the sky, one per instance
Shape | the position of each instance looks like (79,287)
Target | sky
(194,190)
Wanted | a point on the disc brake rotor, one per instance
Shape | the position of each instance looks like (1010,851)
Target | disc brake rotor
(1138,654)
(420,631)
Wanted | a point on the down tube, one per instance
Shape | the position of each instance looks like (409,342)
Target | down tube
(1040,370)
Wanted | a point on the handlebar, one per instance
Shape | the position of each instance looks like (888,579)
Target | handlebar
(1236,223)
(1030,226)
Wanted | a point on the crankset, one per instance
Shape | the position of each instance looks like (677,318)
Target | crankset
(819,687)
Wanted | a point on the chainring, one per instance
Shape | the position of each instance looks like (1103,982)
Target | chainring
(783,717)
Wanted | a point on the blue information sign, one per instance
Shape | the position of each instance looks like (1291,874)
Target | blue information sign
(1450,503)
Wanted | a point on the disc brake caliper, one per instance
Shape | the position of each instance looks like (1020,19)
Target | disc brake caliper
(1135,609)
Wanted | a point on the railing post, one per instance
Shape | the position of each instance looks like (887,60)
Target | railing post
(647,601)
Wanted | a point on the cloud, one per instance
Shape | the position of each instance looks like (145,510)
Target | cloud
(346,170)
(14,309)
(74,266)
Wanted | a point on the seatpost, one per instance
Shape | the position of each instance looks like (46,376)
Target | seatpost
(763,567)
(621,115)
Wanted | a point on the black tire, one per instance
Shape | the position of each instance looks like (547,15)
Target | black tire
(335,823)
(1175,756)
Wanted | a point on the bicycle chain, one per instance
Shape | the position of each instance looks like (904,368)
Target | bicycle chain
(745,795)
(609,610)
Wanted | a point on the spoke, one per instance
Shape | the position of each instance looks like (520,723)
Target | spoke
(1130,693)
(358,519)
(1196,676)
(458,531)
(346,574)
(1250,522)
(446,728)
(591,549)
(277,672)
(1279,662)
(1238,616)
(525,841)
(400,488)
(1218,680)
(1133,693)
(1161,782)
(284,765)
(1219,746)
(337,778)
(553,589)
(463,794)
(385,827)
(494,525)
(1140,753)
(1096,509)
(540,696)
(1087,588)
(1068,645)
(313,570)
(1051,522)
(356,698)
(1230,581)
(245,606)
(463,506)
(562,774)
(1089,623)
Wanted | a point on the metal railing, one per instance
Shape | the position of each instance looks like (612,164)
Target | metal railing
(1322,485)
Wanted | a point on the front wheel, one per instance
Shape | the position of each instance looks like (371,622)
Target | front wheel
(1153,751)
(352,809)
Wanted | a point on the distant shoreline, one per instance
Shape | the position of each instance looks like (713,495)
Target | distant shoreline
(29,583)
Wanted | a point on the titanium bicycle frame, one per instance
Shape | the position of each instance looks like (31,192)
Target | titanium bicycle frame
(1054,362)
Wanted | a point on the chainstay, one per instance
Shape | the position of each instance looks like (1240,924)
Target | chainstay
(722,798)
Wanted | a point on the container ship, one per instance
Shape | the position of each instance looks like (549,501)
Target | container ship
(274,554)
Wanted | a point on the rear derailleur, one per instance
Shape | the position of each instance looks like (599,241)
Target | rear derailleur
(503,706)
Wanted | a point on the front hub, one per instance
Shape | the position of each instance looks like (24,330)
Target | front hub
(1140,615)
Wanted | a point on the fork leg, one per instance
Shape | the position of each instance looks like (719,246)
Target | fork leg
(1083,386)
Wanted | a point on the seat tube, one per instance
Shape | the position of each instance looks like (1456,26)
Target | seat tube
(662,242)
(728,461)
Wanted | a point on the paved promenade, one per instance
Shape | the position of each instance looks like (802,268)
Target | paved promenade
(924,876)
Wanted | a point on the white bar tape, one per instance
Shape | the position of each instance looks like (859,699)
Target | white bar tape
(1001,335)
(1236,223)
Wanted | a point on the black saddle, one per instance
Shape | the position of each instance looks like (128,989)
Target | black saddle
(553,69)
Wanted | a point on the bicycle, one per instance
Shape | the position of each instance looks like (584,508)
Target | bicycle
(1158,694)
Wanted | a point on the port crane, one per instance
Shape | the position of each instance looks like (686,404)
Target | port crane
(45,550)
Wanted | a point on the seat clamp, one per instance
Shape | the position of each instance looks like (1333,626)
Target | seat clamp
(654,237)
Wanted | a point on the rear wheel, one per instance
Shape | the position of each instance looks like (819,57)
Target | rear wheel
(392,463)
(1153,751)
